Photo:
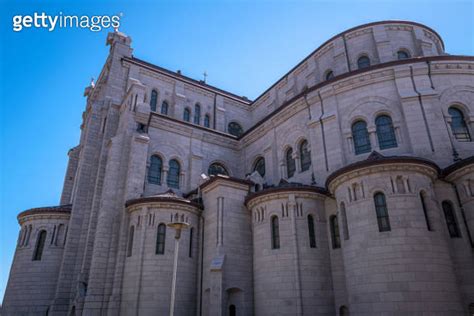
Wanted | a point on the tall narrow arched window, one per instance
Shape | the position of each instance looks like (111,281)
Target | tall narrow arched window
(382,212)
(401,54)
(28,235)
(131,234)
(160,239)
(164,108)
(458,125)
(232,310)
(197,114)
(275,233)
(217,168)
(173,174)
(311,232)
(40,242)
(191,236)
(259,166)
(361,139)
(425,210)
(186,115)
(59,240)
(335,236)
(329,75)
(385,132)
(155,169)
(451,221)
(345,226)
(305,156)
(290,163)
(207,121)
(235,129)
(153,100)
(363,62)
(343,311)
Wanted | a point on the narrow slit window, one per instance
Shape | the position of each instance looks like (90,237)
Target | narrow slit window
(40,242)
(311,231)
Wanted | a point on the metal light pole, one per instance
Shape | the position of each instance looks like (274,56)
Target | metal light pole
(178,226)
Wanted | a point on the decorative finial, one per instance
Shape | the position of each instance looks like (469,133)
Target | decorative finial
(116,29)
(92,82)
(205,76)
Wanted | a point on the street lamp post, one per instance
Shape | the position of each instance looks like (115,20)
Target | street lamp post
(178,226)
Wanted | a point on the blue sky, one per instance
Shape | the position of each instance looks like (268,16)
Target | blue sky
(244,46)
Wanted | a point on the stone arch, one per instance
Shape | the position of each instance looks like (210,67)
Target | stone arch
(404,49)
(221,162)
(364,53)
(289,138)
(378,189)
(463,95)
(234,297)
(178,159)
(159,154)
(255,160)
(373,105)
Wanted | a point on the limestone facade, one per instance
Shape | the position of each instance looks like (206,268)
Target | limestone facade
(346,187)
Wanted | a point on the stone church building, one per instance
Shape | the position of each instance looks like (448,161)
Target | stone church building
(345,188)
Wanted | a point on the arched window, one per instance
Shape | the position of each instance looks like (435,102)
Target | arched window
(217,168)
(458,125)
(343,311)
(305,156)
(382,212)
(164,108)
(345,227)
(173,174)
(59,240)
(290,163)
(451,220)
(235,129)
(28,235)
(401,54)
(360,136)
(329,75)
(153,100)
(335,236)
(207,121)
(425,211)
(275,233)
(363,62)
(232,310)
(260,166)
(191,236)
(160,239)
(130,241)
(22,238)
(385,132)
(186,115)
(311,232)
(155,169)
(40,241)
(197,114)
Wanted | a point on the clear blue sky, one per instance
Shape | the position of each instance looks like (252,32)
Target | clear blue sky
(244,46)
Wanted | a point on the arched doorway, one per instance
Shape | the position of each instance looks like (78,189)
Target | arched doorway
(232,310)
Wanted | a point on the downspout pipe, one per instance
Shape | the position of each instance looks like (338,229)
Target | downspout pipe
(322,131)
(420,101)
